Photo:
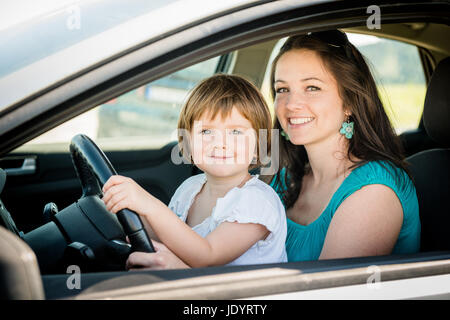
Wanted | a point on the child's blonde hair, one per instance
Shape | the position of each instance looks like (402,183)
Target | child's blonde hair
(220,93)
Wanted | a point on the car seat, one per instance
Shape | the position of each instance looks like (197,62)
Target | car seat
(431,168)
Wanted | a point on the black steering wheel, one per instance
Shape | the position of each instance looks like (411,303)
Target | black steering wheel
(94,169)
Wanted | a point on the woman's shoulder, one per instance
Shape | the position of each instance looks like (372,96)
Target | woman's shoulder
(383,172)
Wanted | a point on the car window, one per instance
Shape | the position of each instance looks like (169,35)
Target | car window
(142,118)
(399,75)
(398,72)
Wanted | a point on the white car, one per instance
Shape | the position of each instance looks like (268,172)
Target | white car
(118,71)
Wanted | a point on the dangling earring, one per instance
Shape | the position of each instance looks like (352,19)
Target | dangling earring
(347,128)
(285,135)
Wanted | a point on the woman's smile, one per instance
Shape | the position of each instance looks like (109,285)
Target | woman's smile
(299,121)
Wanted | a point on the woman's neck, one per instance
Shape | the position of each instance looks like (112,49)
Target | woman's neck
(219,186)
(328,159)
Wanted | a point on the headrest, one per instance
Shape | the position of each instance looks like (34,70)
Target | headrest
(436,112)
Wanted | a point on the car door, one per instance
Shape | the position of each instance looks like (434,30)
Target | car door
(137,132)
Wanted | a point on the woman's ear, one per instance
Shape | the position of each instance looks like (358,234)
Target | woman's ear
(347,114)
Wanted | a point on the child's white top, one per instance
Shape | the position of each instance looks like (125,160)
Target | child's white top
(255,202)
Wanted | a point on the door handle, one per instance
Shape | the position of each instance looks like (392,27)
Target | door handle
(28,167)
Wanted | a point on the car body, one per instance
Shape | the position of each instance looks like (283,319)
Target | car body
(122,47)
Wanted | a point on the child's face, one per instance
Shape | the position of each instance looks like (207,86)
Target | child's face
(223,147)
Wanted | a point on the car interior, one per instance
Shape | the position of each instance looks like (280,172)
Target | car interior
(30,202)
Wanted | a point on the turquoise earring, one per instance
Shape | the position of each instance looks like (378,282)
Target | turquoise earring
(284,134)
(347,128)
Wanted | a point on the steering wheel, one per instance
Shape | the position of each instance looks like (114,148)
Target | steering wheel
(94,169)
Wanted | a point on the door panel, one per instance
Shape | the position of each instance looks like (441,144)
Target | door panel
(55,181)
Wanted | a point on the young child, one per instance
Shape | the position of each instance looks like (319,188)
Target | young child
(223,216)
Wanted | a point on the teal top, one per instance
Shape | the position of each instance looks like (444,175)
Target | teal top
(306,242)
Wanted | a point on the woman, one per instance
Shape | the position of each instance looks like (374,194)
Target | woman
(343,181)
(344,184)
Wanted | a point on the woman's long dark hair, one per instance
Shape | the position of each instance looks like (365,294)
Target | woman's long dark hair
(374,137)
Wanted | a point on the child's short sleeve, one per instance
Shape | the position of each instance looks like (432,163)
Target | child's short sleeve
(251,205)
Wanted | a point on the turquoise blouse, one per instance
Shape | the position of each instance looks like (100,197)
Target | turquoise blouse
(306,242)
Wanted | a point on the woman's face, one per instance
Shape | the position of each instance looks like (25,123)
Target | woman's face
(223,147)
(307,101)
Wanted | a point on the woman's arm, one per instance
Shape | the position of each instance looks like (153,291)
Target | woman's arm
(367,223)
(163,258)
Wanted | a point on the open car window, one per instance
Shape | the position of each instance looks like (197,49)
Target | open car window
(399,76)
(145,117)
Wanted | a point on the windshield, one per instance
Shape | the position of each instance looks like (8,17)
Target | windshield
(42,28)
